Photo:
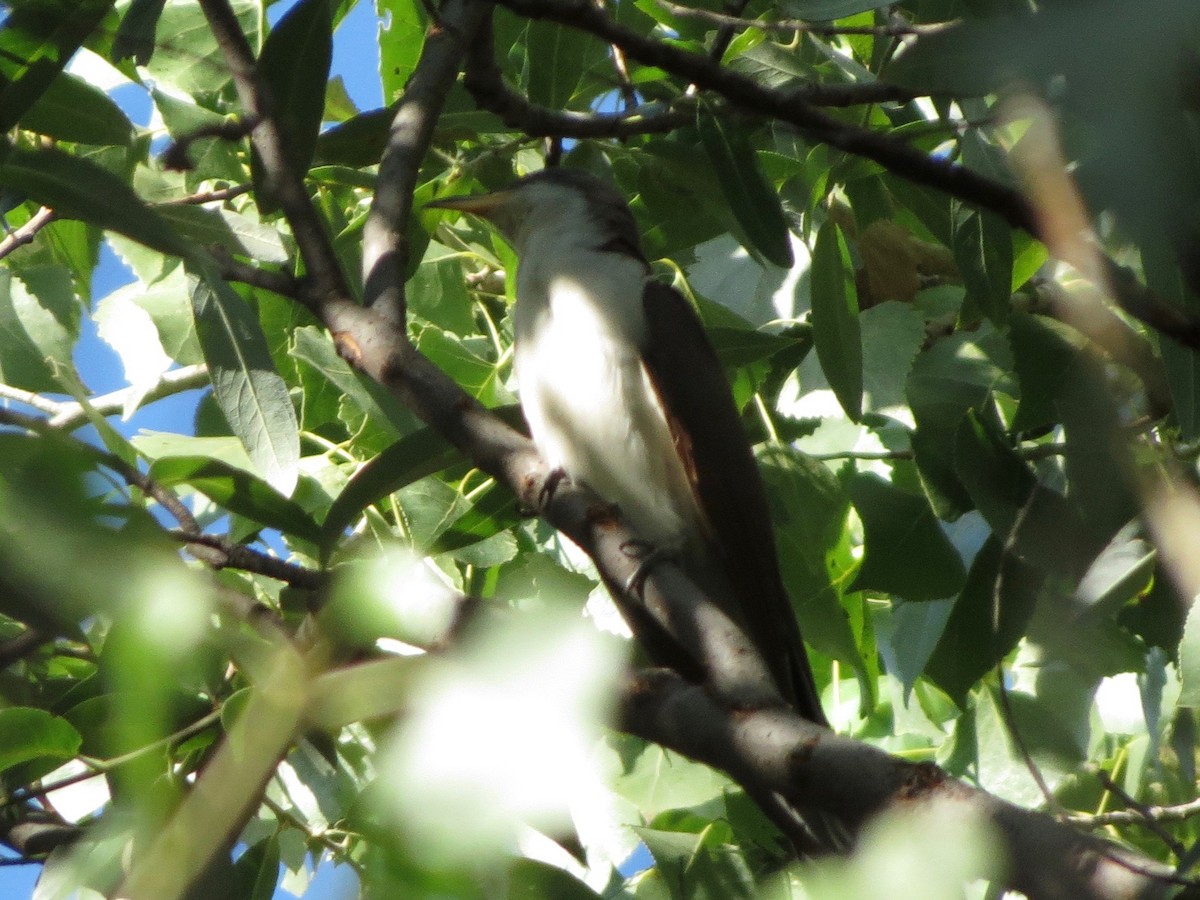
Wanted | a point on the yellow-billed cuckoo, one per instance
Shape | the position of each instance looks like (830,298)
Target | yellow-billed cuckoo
(623,390)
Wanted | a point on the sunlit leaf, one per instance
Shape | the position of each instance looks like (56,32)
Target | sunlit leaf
(250,392)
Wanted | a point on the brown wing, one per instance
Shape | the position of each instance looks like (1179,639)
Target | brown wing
(717,456)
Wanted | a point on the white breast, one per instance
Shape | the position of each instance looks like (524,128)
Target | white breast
(590,405)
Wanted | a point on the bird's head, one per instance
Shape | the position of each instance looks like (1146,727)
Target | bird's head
(568,203)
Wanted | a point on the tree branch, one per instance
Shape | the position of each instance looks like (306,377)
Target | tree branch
(26,233)
(485,81)
(794,26)
(286,185)
(68,416)
(793,106)
(799,107)
(385,251)
(221,553)
(814,768)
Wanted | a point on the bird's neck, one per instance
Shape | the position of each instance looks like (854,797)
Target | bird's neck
(562,273)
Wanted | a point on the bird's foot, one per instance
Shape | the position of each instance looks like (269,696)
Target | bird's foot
(546,492)
(556,477)
(648,556)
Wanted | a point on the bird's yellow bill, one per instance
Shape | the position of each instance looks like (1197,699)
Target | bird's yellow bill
(478,204)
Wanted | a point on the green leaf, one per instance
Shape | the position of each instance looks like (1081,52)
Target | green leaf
(836,330)
(1038,523)
(969,58)
(752,199)
(988,619)
(1000,483)
(212,157)
(401,39)
(560,56)
(27,734)
(240,235)
(314,347)
(1004,764)
(257,870)
(1189,658)
(528,879)
(494,512)
(190,60)
(478,376)
(808,510)
(438,293)
(36,41)
(295,65)
(246,385)
(906,553)
(1122,572)
(77,188)
(655,779)
(72,110)
(39,323)
(411,458)
(1046,354)
(135,36)
(238,491)
(356,142)
(982,245)
(954,375)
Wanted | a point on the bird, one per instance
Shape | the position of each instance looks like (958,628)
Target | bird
(623,390)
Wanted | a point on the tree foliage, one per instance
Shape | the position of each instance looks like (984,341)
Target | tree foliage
(947,251)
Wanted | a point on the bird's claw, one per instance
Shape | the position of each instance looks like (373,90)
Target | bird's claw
(546,492)
(556,477)
(648,556)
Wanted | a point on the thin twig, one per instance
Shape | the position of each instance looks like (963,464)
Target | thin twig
(277,282)
(796,26)
(1146,820)
(29,398)
(227,554)
(70,415)
(175,158)
(218,195)
(25,234)
(100,767)
(1028,452)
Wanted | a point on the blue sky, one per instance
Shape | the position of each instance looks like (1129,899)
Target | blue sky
(356,60)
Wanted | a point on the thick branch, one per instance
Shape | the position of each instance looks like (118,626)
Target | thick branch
(811,766)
